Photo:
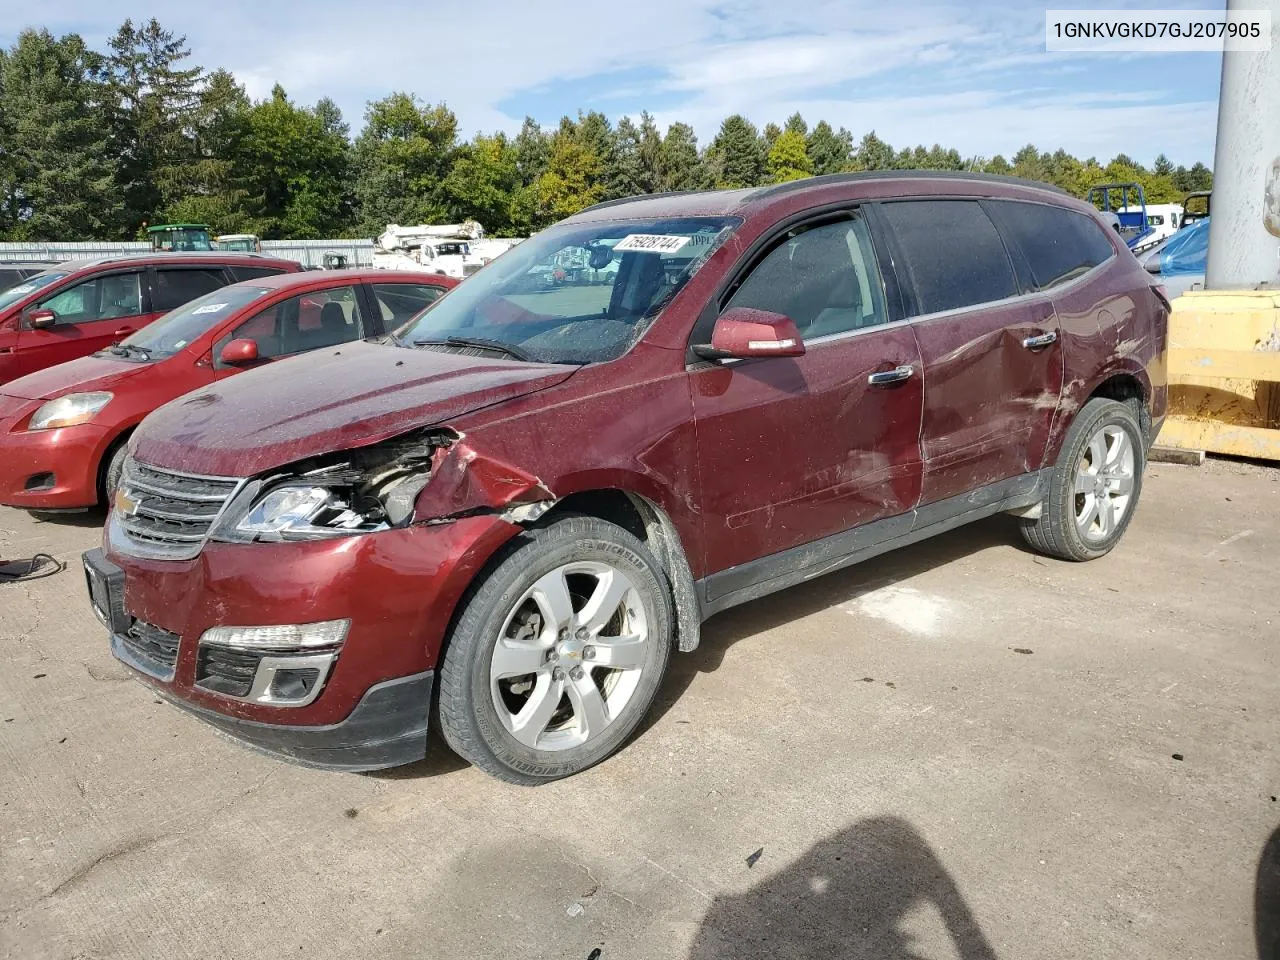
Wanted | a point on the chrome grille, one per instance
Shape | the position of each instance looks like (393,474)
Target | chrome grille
(169,514)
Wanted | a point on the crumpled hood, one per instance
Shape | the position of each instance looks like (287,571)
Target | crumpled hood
(327,401)
(76,376)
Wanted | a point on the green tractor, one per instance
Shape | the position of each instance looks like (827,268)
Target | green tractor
(180,237)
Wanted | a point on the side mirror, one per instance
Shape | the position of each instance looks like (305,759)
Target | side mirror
(239,351)
(41,319)
(742,333)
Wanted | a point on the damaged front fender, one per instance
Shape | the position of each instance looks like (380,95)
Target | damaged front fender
(465,481)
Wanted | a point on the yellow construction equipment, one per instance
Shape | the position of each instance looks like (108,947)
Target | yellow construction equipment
(1224,373)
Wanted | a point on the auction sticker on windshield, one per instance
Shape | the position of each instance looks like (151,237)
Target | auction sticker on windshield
(651,243)
(209,308)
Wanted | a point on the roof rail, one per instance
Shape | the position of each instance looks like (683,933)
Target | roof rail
(791,185)
(636,196)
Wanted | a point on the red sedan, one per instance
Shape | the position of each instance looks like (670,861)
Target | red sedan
(63,430)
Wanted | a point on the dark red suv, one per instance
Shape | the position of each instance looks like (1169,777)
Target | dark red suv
(510,513)
(79,307)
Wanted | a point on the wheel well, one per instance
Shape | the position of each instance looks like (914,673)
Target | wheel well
(1126,388)
(105,463)
(647,522)
(1122,387)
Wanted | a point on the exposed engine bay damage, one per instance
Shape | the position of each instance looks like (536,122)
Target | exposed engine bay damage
(426,476)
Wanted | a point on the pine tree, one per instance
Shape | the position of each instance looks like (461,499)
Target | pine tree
(679,166)
(650,155)
(205,190)
(533,150)
(829,151)
(59,183)
(795,124)
(151,103)
(874,153)
(736,156)
(625,176)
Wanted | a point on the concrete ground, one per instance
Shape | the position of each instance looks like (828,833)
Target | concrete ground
(961,750)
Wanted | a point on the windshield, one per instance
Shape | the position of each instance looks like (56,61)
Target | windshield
(184,240)
(178,328)
(576,293)
(28,286)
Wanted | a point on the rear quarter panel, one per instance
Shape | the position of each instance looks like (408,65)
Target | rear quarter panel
(1110,324)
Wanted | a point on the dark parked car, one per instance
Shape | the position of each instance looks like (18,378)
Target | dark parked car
(511,513)
(79,307)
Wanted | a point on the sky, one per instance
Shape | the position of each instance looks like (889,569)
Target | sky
(973,76)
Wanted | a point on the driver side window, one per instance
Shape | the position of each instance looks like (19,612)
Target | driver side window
(823,277)
(102,298)
(309,321)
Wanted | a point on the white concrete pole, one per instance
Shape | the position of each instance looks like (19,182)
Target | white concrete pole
(1244,232)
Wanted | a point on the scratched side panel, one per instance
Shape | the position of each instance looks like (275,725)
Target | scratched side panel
(989,401)
(793,450)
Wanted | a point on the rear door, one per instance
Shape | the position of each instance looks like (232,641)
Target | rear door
(90,315)
(992,361)
(792,450)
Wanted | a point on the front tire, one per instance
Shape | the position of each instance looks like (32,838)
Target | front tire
(1094,487)
(558,653)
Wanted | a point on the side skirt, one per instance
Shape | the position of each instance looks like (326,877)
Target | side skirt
(758,578)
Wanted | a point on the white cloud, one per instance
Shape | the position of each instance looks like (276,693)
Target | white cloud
(952,65)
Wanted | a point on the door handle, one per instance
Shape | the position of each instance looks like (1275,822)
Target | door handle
(5,350)
(1040,341)
(123,332)
(886,377)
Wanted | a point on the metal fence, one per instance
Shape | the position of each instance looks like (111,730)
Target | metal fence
(309,253)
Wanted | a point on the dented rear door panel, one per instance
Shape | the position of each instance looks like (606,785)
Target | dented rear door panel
(989,399)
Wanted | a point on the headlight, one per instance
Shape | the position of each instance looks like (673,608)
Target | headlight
(303,513)
(68,411)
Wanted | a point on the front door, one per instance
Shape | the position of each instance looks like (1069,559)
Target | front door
(992,361)
(88,316)
(791,450)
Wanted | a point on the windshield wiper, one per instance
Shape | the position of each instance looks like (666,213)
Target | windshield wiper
(128,349)
(515,353)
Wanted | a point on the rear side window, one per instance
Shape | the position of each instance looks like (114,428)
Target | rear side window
(1059,245)
(953,255)
(176,287)
(401,302)
(254,273)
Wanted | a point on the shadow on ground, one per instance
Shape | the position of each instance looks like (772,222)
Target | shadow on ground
(851,896)
(1266,900)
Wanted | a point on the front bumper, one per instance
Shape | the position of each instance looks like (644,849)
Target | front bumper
(387,728)
(398,590)
(50,469)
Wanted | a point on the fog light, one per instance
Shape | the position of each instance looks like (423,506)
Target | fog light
(288,636)
(294,684)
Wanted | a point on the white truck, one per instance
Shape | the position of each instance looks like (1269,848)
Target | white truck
(436,248)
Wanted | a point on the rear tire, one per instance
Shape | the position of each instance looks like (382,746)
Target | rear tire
(1094,487)
(557,654)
